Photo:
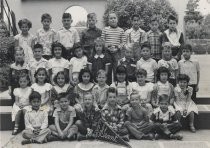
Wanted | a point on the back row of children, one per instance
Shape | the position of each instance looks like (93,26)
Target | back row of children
(103,53)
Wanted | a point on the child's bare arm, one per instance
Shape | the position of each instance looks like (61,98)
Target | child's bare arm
(69,125)
(50,75)
(57,125)
(198,79)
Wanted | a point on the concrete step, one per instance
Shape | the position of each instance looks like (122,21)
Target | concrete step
(202,121)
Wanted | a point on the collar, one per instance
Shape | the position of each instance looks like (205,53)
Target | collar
(149,60)
(99,56)
(173,31)
(70,29)
(187,60)
(31,110)
(98,87)
(68,109)
(95,28)
(158,32)
(19,63)
(107,107)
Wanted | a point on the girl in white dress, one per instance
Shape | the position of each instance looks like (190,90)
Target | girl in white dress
(184,105)
(21,100)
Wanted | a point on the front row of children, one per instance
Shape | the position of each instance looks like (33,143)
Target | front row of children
(133,119)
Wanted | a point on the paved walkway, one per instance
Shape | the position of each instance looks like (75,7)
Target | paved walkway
(201,139)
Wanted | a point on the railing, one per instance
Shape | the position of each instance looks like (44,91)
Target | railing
(10,17)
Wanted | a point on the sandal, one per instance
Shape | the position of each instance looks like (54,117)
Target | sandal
(15,131)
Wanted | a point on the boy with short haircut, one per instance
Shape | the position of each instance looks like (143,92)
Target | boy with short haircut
(174,36)
(100,89)
(46,35)
(88,118)
(68,36)
(90,34)
(36,122)
(135,36)
(147,63)
(114,38)
(153,38)
(130,63)
(166,116)
(64,117)
(38,61)
(113,116)
(191,68)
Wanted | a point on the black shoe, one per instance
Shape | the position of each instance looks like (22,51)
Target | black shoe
(52,138)
(81,137)
(28,141)
(126,138)
(176,137)
(148,137)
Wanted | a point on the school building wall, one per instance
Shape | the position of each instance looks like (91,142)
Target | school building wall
(33,9)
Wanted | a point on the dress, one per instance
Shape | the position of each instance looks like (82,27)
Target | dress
(44,91)
(23,95)
(26,42)
(184,102)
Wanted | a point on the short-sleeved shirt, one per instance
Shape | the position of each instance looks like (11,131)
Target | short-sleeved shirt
(23,95)
(34,65)
(190,68)
(150,66)
(143,90)
(57,65)
(46,38)
(68,37)
(78,63)
(42,89)
(100,94)
(164,117)
(172,65)
(65,116)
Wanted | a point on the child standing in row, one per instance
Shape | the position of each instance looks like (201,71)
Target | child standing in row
(147,63)
(67,36)
(25,39)
(184,105)
(46,35)
(191,68)
(38,61)
(36,122)
(90,34)
(21,101)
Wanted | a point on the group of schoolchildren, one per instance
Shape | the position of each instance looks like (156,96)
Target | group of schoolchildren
(135,82)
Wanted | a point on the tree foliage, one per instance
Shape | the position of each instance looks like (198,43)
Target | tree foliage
(145,8)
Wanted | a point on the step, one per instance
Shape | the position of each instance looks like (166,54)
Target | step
(202,121)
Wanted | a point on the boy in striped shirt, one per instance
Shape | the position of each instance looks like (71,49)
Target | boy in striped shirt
(114,37)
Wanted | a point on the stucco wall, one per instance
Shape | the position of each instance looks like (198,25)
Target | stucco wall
(33,9)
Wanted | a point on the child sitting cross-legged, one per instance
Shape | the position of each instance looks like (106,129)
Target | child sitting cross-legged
(88,116)
(36,121)
(166,116)
(113,115)
(64,116)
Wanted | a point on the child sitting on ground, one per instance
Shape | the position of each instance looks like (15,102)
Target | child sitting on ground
(36,121)
(166,116)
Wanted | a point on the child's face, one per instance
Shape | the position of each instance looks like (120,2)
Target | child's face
(101,78)
(163,77)
(19,56)
(128,54)
(91,22)
(64,103)
(113,20)
(183,84)
(46,23)
(23,82)
(163,106)
(67,22)
(35,103)
(57,52)
(99,48)
(146,54)
(112,98)
(135,22)
(154,25)
(121,77)
(134,100)
(143,102)
(79,52)
(86,78)
(41,76)
(38,53)
(172,24)
(167,52)
(24,28)
(141,79)
(61,80)
(186,54)
(88,100)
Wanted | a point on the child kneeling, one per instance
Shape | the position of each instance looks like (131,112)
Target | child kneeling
(36,122)
(64,118)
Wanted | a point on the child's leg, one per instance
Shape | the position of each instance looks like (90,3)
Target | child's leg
(17,122)
(191,121)
(131,128)
(81,127)
(53,129)
(72,131)
(178,115)
(174,127)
